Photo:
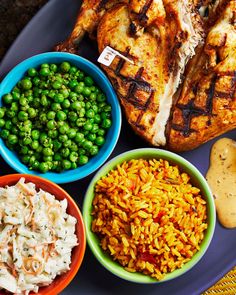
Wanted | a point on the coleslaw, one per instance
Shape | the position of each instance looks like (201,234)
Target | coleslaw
(36,238)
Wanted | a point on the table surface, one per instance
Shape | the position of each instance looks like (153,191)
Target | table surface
(15,14)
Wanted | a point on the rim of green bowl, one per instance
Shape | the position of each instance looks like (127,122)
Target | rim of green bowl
(196,178)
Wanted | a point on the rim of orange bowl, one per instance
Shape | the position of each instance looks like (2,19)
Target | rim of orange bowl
(61,285)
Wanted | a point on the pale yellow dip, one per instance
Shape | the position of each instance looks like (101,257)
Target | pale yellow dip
(221,177)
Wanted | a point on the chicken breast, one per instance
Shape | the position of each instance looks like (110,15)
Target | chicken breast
(159,53)
(206,106)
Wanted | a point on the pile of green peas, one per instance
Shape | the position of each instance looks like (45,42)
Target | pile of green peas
(55,118)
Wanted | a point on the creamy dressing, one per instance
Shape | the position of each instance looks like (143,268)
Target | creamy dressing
(221,177)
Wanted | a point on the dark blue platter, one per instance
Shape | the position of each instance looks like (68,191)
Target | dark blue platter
(51,25)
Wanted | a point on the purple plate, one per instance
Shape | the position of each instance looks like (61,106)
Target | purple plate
(50,26)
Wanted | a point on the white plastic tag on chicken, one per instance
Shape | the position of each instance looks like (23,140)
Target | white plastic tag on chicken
(108,54)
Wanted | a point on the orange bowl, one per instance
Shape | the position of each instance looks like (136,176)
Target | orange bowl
(60,282)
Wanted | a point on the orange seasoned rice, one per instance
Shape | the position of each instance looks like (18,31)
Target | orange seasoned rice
(148,216)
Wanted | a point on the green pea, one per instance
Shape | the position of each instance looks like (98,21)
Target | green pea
(26,84)
(61,116)
(24,150)
(34,144)
(83,160)
(44,65)
(65,152)
(63,138)
(72,70)
(65,104)
(15,95)
(26,140)
(79,89)
(73,96)
(51,124)
(45,71)
(76,105)
(47,158)
(57,157)
(94,150)
(51,115)
(53,133)
(44,100)
(56,145)
(101,132)
(7,98)
(99,140)
(43,167)
(4,133)
(73,165)
(97,118)
(63,129)
(2,112)
(36,81)
(88,126)
(101,97)
(53,67)
(90,113)
(35,165)
(12,139)
(35,134)
(79,137)
(73,157)
(91,137)
(87,144)
(65,92)
(32,113)
(10,113)
(65,67)
(86,91)
(2,122)
(43,118)
(55,106)
(74,147)
(8,125)
(95,128)
(58,98)
(25,159)
(56,85)
(71,133)
(80,122)
(15,120)
(106,123)
(73,84)
(88,81)
(47,151)
(32,72)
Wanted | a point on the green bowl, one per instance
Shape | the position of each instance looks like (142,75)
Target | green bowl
(197,179)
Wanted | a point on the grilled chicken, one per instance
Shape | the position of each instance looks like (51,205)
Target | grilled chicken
(207,104)
(143,13)
(146,88)
(90,14)
(159,37)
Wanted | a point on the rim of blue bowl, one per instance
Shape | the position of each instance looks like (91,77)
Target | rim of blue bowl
(112,136)
(93,241)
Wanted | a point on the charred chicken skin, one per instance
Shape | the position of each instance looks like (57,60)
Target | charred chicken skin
(206,106)
(166,102)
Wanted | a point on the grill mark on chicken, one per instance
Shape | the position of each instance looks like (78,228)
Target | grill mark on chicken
(190,111)
(136,83)
(101,5)
(210,96)
(142,16)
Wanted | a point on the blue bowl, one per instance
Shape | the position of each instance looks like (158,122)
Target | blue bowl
(101,80)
